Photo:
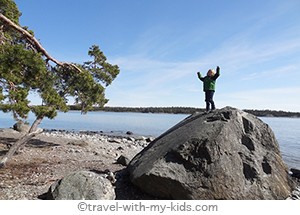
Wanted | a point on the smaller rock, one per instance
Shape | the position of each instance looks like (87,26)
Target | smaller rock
(81,185)
(111,177)
(120,148)
(20,126)
(96,153)
(295,173)
(80,143)
(123,160)
(149,139)
(131,139)
(129,133)
(114,140)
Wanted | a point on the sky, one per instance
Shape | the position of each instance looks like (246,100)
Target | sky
(160,45)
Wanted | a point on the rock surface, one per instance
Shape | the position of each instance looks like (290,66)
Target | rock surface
(123,160)
(295,173)
(21,127)
(82,185)
(227,154)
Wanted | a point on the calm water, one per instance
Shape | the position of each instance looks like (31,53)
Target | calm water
(287,130)
(139,123)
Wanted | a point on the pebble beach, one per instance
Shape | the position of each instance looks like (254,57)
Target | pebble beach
(53,154)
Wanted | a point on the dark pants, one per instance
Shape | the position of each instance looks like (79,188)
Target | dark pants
(209,94)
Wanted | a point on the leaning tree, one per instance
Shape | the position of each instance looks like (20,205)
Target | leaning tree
(26,68)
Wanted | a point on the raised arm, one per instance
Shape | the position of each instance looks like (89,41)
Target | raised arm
(199,76)
(217,74)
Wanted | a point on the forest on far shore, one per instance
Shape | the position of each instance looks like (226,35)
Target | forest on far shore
(187,110)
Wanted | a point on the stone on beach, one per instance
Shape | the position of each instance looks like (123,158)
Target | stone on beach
(295,173)
(22,127)
(123,160)
(227,154)
(82,185)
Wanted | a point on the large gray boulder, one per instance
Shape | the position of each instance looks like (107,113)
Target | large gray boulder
(227,154)
(82,185)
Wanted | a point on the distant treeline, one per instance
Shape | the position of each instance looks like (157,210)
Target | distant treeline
(174,110)
(273,113)
(187,110)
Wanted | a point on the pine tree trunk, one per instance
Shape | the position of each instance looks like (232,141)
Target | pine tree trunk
(22,141)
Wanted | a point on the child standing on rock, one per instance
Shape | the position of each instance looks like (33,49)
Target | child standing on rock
(209,86)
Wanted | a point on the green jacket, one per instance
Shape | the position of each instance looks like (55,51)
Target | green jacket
(209,83)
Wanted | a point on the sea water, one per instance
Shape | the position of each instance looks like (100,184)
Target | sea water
(287,130)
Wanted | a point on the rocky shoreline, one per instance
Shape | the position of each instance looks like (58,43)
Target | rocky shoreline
(94,136)
(56,153)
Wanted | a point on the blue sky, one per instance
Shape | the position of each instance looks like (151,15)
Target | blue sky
(160,45)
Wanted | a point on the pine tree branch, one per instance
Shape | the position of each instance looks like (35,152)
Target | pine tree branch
(33,41)
(30,39)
